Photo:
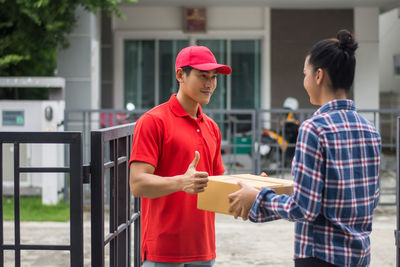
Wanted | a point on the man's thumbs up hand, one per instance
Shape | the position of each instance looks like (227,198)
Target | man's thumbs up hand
(194,182)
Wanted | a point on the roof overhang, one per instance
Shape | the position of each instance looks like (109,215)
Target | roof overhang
(383,5)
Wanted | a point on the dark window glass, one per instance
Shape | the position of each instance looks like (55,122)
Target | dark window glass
(218,47)
(246,56)
(139,73)
(168,50)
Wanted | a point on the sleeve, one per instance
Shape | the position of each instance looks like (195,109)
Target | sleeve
(308,174)
(218,165)
(147,140)
(377,190)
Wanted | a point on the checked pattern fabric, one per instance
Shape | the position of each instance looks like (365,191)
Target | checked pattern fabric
(336,187)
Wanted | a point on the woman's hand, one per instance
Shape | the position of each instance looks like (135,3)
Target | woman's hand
(242,201)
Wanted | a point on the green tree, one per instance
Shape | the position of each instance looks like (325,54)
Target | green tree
(31,31)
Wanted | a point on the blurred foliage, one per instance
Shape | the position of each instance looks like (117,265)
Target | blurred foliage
(31,31)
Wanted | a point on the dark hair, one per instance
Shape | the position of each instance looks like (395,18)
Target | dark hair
(186,70)
(336,56)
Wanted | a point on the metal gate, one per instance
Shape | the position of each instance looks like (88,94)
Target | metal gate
(110,151)
(74,140)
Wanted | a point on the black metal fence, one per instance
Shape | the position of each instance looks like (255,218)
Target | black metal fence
(110,153)
(397,230)
(74,141)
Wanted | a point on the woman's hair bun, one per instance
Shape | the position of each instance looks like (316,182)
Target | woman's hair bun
(346,41)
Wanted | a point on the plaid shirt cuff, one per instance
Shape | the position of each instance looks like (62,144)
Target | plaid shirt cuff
(259,212)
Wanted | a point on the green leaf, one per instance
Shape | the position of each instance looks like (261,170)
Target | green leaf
(31,32)
(35,17)
(11,59)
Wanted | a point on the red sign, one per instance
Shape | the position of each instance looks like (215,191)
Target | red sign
(194,19)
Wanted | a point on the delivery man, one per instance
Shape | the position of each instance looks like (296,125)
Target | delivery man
(175,148)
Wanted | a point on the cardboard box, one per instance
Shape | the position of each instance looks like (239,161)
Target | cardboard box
(215,196)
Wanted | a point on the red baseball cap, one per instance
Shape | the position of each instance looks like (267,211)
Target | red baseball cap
(200,58)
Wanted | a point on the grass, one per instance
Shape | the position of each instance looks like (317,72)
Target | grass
(32,209)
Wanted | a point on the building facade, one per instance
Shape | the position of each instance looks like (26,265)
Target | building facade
(265,42)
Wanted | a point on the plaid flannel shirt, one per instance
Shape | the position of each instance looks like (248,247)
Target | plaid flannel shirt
(336,187)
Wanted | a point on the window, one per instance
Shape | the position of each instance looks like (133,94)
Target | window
(149,72)
(167,55)
(246,57)
(139,73)
(219,97)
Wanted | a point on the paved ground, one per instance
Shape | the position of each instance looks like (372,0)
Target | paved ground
(239,243)
(271,244)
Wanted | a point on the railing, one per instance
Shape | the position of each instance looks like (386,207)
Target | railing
(73,139)
(110,153)
(245,146)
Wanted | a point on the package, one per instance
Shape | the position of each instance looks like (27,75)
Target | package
(215,196)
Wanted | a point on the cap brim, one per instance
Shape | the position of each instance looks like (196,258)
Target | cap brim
(220,68)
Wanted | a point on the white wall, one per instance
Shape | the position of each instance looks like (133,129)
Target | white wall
(80,63)
(389,45)
(366,81)
(144,18)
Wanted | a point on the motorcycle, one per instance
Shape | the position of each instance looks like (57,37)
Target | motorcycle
(277,148)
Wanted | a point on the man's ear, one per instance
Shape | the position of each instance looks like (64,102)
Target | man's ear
(179,75)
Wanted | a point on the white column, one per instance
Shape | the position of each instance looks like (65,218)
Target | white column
(266,65)
(80,63)
(95,60)
(366,82)
(51,155)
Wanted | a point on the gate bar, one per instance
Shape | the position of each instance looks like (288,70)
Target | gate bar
(397,231)
(17,233)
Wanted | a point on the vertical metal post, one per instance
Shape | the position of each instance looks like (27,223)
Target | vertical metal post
(397,231)
(66,185)
(17,233)
(122,200)
(128,146)
(76,200)
(136,244)
(254,141)
(113,204)
(97,200)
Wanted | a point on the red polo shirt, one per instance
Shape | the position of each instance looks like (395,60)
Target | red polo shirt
(173,229)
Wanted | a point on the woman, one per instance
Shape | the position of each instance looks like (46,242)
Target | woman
(335,168)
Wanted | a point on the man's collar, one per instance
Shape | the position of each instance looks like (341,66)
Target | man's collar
(179,111)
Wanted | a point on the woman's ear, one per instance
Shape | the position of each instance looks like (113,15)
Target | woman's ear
(319,76)
(179,75)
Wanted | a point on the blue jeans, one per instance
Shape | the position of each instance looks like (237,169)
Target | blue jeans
(179,264)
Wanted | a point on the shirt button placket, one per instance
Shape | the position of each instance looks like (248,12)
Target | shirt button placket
(199,135)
